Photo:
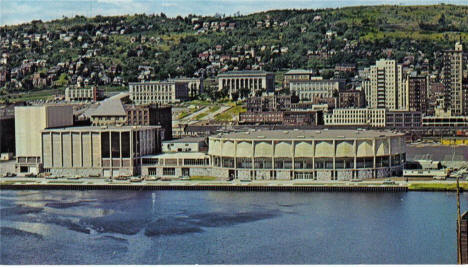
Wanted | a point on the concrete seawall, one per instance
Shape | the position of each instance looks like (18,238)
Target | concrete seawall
(241,188)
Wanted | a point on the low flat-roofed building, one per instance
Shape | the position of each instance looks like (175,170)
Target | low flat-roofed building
(445,121)
(307,154)
(291,118)
(355,117)
(83,94)
(187,144)
(98,151)
(160,92)
(176,165)
(29,122)
(403,119)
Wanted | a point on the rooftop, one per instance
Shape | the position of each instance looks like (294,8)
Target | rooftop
(197,155)
(246,72)
(100,128)
(307,134)
(186,140)
(152,82)
(299,71)
(110,107)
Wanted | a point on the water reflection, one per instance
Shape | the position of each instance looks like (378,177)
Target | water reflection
(187,227)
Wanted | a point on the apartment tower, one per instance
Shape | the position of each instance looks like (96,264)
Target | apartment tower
(384,87)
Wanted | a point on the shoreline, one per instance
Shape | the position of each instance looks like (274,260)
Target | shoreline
(218,185)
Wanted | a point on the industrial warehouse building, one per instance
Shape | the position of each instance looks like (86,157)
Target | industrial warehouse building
(98,151)
(288,155)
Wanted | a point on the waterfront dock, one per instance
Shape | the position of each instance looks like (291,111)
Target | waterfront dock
(25,183)
(215,185)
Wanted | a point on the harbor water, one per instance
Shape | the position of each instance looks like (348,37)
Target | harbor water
(221,227)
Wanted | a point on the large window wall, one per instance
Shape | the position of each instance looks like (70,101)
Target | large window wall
(308,162)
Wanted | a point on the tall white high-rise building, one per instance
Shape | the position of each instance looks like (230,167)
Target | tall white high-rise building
(454,97)
(384,87)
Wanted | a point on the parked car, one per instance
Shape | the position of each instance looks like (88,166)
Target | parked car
(136,179)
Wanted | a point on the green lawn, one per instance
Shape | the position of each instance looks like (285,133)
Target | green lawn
(229,114)
(214,109)
(437,186)
(200,116)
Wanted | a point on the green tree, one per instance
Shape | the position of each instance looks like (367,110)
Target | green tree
(62,80)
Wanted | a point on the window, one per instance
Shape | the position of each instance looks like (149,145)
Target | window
(150,161)
(169,171)
(195,162)
(324,163)
(365,162)
(151,171)
(244,163)
(228,162)
(382,161)
(262,163)
(341,163)
(303,163)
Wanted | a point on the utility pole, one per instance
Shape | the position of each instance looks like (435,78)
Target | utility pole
(459,258)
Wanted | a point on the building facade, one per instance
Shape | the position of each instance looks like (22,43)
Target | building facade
(307,154)
(355,117)
(351,99)
(464,238)
(270,103)
(158,92)
(195,85)
(184,145)
(287,118)
(417,93)
(98,151)
(445,121)
(403,120)
(29,122)
(384,87)
(84,94)
(454,92)
(315,89)
(113,112)
(303,75)
(176,165)
(7,129)
(254,81)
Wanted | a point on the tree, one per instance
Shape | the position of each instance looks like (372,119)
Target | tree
(244,92)
(62,80)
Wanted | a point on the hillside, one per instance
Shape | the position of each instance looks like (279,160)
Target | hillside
(115,50)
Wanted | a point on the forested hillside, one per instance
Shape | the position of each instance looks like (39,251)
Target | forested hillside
(116,50)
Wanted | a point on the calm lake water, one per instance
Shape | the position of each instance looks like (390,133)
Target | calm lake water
(209,227)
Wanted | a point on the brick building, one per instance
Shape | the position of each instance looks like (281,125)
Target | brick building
(351,99)
(417,93)
(113,112)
